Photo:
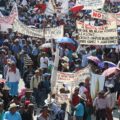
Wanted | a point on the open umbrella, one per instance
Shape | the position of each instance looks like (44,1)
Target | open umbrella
(109,71)
(65,40)
(76,8)
(94,59)
(110,64)
(46,45)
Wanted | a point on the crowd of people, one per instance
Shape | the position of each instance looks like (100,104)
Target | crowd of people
(22,57)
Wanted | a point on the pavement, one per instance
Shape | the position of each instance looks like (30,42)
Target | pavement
(116,113)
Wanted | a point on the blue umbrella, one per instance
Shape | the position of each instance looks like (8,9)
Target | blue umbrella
(65,40)
(110,64)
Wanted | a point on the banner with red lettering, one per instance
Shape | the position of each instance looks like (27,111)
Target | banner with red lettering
(90,35)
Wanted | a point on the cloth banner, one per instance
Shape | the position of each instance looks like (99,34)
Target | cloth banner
(97,84)
(24,29)
(10,19)
(73,78)
(90,35)
(55,33)
(101,15)
(91,4)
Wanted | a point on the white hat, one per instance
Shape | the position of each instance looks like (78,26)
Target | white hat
(12,105)
(110,86)
(65,58)
(75,55)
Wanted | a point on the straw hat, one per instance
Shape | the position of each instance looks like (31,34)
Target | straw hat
(37,71)
(6,88)
(12,105)
(75,55)
(110,86)
(66,59)
(28,90)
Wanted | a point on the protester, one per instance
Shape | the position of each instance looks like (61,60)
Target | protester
(12,113)
(13,77)
(34,23)
(100,106)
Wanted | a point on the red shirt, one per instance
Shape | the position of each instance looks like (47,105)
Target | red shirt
(75,99)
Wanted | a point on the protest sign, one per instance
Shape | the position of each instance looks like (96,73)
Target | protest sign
(23,29)
(92,35)
(98,15)
(91,4)
(56,32)
(97,84)
(73,78)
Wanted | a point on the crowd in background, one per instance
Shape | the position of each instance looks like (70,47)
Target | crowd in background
(21,56)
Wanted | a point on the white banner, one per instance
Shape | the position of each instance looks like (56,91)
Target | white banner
(73,78)
(91,4)
(25,30)
(56,32)
(93,36)
(97,84)
(10,19)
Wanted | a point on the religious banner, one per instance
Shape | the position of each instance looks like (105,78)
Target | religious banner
(97,84)
(25,30)
(91,4)
(91,36)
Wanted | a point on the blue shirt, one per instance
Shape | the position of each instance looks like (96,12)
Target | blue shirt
(9,116)
(79,110)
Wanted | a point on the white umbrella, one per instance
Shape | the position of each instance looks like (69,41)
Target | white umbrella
(46,45)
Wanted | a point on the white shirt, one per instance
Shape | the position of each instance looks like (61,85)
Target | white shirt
(111,100)
(82,89)
(13,77)
(100,103)
(35,82)
(44,62)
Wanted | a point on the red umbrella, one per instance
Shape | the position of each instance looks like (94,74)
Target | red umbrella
(41,7)
(77,8)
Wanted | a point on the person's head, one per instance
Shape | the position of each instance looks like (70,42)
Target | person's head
(106,66)
(31,107)
(28,92)
(81,84)
(37,73)
(45,110)
(101,94)
(76,91)
(63,106)
(6,90)
(13,108)
(1,106)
